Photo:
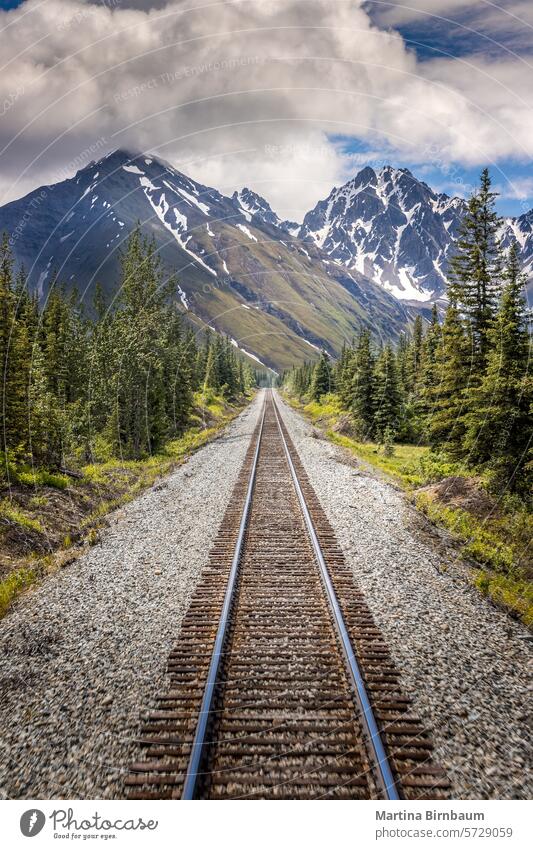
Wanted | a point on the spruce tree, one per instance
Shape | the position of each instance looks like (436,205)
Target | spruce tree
(414,356)
(240,378)
(429,377)
(363,390)
(402,349)
(7,318)
(498,422)
(19,369)
(321,382)
(211,380)
(476,270)
(344,370)
(387,395)
(446,398)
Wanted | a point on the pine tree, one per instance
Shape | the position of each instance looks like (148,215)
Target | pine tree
(322,382)
(498,422)
(191,354)
(476,270)
(363,389)
(230,369)
(211,380)
(140,349)
(7,318)
(429,377)
(240,379)
(343,371)
(19,371)
(446,399)
(120,382)
(387,394)
(403,362)
(414,356)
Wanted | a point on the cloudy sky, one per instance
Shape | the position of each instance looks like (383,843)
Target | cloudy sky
(289,97)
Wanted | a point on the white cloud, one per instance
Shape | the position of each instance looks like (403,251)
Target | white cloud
(242,93)
(516,188)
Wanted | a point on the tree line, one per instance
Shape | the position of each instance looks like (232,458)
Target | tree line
(117,382)
(462,385)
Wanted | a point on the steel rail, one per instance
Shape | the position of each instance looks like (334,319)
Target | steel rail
(384,775)
(191,776)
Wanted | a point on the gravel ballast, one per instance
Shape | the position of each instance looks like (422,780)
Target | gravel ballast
(85,652)
(463,662)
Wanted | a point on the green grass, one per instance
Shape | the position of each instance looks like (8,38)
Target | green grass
(403,466)
(515,595)
(326,409)
(137,475)
(480,542)
(149,468)
(15,583)
(15,516)
(24,475)
(42,477)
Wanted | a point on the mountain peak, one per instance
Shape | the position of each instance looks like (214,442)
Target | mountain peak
(254,206)
(391,227)
(394,229)
(366,177)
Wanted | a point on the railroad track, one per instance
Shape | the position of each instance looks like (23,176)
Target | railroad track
(281,685)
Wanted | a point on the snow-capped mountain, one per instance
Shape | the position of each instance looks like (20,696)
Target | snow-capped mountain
(76,227)
(520,230)
(396,230)
(237,265)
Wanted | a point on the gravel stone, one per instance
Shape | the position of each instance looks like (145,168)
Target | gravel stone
(463,662)
(85,652)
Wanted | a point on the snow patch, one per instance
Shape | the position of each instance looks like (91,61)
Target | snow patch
(203,207)
(248,353)
(42,279)
(410,291)
(132,169)
(246,232)
(183,297)
(161,209)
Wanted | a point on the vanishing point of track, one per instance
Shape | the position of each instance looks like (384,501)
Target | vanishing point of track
(281,685)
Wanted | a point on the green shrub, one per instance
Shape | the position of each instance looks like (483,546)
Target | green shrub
(435,467)
(515,594)
(482,543)
(13,514)
(25,476)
